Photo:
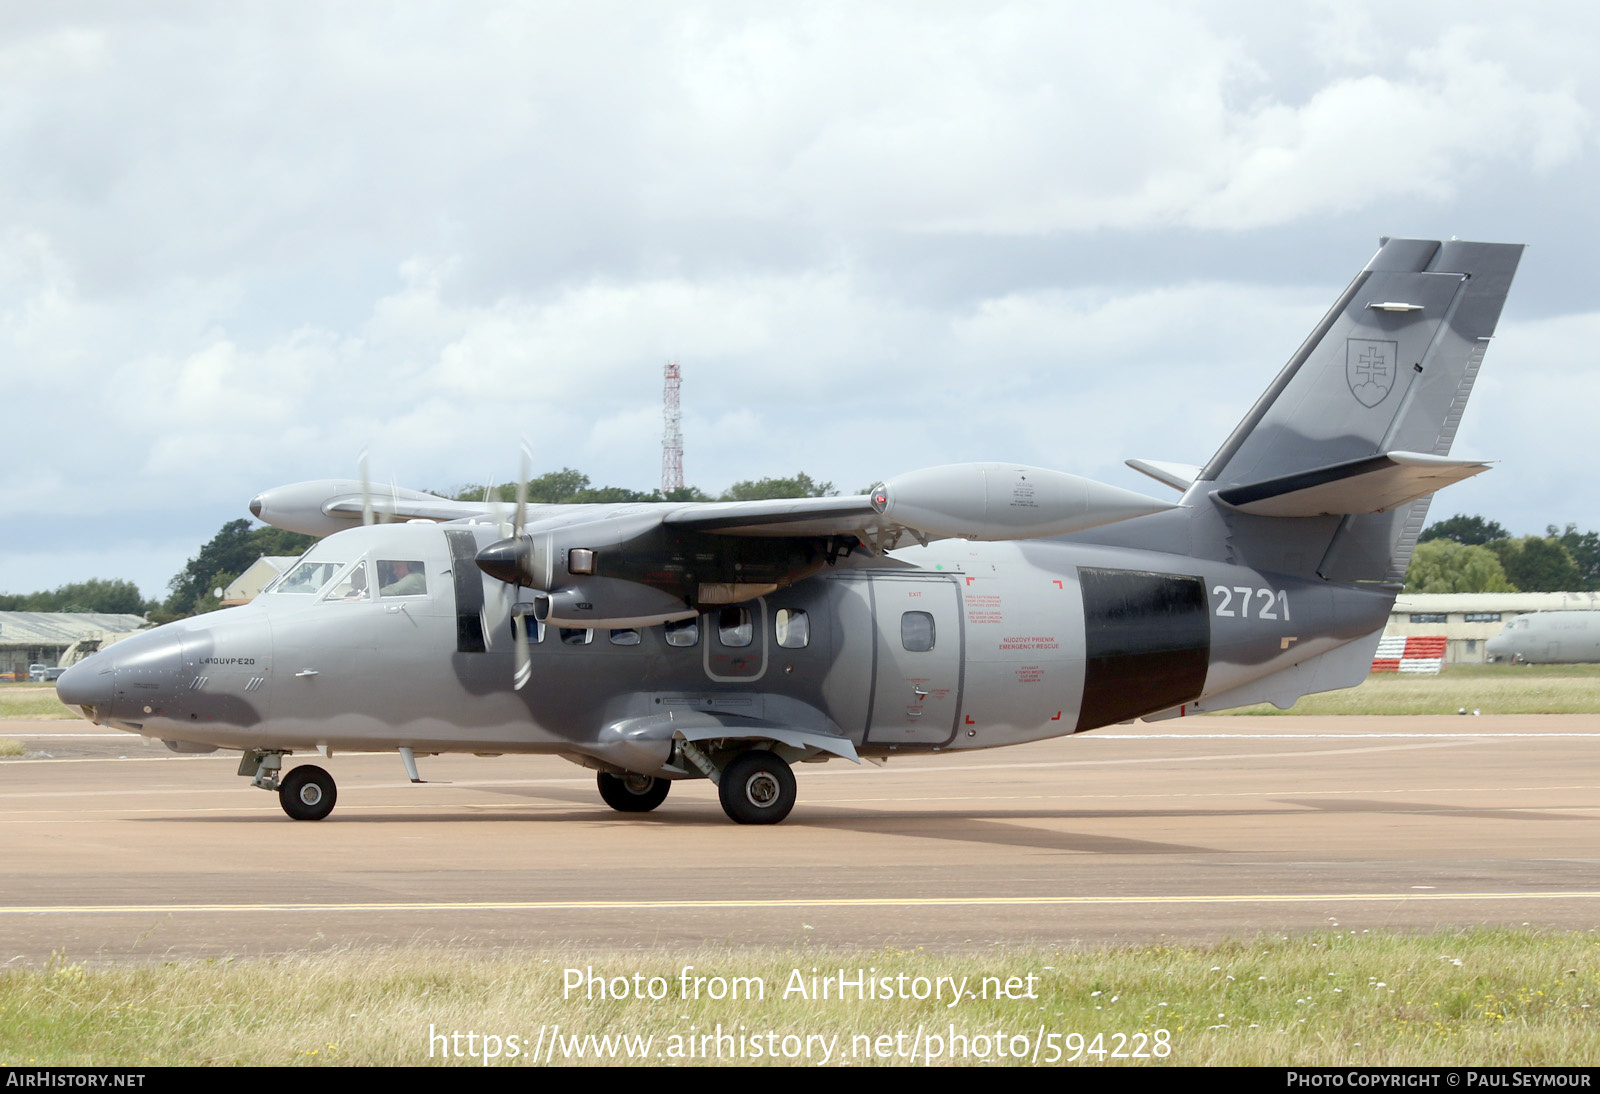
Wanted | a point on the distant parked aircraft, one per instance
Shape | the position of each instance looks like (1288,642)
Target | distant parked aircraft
(1549,638)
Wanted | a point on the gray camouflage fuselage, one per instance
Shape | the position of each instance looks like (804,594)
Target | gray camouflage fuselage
(688,640)
(1028,641)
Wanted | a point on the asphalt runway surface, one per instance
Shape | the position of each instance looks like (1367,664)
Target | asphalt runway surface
(1185,830)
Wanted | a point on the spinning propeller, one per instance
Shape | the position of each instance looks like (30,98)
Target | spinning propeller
(516,611)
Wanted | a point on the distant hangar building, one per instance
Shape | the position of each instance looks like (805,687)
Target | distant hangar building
(262,572)
(1469,620)
(41,638)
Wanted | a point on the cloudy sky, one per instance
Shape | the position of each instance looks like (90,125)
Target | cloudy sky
(241,243)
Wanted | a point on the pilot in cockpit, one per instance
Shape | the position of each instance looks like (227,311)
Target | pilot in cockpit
(401,578)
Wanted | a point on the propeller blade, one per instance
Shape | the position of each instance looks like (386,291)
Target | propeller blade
(366,489)
(524,662)
(525,474)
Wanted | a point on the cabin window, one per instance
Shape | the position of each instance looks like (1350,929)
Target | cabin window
(576,636)
(793,629)
(401,577)
(531,626)
(683,632)
(625,637)
(733,626)
(916,631)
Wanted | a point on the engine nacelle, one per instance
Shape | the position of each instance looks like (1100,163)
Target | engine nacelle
(1000,501)
(631,570)
(607,602)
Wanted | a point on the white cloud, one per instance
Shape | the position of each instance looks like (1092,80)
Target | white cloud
(241,246)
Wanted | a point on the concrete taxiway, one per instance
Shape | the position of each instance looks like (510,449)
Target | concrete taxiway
(1188,829)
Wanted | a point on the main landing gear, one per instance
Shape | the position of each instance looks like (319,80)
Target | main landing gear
(632,793)
(756,786)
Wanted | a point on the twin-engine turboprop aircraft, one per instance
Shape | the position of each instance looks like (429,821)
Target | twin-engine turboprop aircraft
(958,607)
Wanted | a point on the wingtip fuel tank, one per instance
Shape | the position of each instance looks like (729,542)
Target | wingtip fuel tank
(1001,501)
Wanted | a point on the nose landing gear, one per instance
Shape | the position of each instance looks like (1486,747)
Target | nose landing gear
(306,793)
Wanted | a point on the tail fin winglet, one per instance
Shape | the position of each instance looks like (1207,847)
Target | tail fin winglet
(1375,484)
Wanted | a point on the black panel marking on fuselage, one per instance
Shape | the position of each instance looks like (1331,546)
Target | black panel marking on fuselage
(469,590)
(1147,643)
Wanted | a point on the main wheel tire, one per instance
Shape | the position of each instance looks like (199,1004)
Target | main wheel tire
(633,793)
(307,793)
(757,787)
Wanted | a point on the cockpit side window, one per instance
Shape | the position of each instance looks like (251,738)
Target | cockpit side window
(352,585)
(307,578)
(402,577)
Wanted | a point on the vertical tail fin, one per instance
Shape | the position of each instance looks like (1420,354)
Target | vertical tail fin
(1388,370)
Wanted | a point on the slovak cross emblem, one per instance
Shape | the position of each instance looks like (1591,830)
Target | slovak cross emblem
(1370,368)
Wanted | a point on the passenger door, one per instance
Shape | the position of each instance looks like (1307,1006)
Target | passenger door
(917,687)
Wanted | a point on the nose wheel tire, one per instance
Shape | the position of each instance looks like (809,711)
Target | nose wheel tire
(757,787)
(633,793)
(307,793)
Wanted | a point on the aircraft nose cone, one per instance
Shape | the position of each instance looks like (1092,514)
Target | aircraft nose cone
(88,683)
(255,506)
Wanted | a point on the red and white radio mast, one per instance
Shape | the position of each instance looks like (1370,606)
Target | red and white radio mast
(672,436)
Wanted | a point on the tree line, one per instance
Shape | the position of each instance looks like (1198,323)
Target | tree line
(1468,554)
(236,547)
(1464,554)
(570,487)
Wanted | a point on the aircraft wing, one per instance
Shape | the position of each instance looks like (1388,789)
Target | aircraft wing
(632,565)
(785,517)
(637,564)
(978,501)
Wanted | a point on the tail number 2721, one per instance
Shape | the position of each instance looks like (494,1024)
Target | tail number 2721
(1270,604)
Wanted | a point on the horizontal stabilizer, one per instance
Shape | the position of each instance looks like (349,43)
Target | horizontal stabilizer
(1179,476)
(1374,484)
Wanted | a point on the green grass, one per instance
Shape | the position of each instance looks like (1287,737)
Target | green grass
(32,701)
(1498,997)
(10,747)
(1493,689)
